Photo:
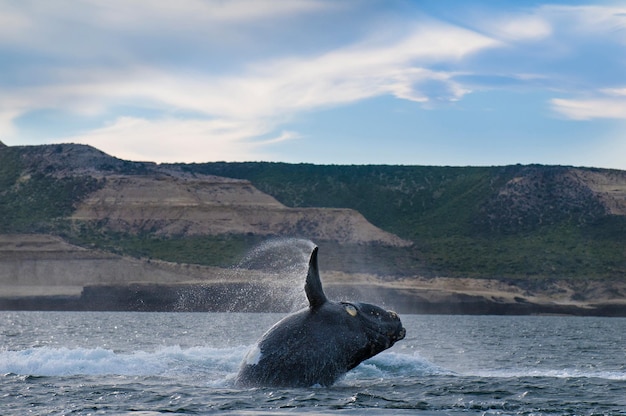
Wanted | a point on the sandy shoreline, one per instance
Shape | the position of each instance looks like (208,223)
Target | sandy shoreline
(42,272)
(220,296)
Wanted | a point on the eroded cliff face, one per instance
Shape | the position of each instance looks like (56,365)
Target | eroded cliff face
(540,195)
(609,186)
(45,265)
(43,272)
(210,205)
(166,200)
(177,201)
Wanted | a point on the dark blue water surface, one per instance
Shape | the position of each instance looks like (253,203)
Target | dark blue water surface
(184,363)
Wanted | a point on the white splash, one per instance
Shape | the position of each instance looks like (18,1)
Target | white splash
(254,356)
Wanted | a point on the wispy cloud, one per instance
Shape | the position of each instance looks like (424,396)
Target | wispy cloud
(207,80)
(258,101)
(589,19)
(587,35)
(607,103)
(515,27)
(196,140)
(253,102)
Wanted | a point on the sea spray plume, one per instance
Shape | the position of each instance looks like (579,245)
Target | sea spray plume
(283,262)
(268,278)
(320,343)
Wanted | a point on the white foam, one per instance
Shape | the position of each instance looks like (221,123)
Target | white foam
(254,356)
(218,366)
(393,364)
(169,360)
(552,373)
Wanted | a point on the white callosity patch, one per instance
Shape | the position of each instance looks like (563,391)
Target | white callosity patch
(254,356)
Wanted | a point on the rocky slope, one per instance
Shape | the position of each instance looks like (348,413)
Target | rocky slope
(167,205)
(537,196)
(535,239)
(142,197)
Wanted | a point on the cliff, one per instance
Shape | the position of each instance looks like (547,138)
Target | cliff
(166,205)
(80,229)
(42,272)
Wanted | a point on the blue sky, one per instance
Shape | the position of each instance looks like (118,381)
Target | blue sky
(323,81)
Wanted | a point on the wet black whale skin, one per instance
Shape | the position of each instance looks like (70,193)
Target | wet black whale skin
(318,344)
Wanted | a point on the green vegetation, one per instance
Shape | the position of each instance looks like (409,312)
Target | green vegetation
(35,203)
(228,250)
(405,200)
(32,202)
(446,212)
(220,251)
(10,167)
(545,226)
(553,252)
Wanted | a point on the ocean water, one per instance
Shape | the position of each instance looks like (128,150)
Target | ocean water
(76,363)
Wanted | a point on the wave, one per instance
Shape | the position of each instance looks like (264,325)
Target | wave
(166,361)
(218,366)
(171,361)
(550,373)
(392,364)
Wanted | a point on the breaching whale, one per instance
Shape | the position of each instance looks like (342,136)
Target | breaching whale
(318,344)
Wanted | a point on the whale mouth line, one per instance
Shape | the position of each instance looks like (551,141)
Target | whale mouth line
(402,334)
(395,336)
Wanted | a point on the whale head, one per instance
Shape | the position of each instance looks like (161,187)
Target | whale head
(368,329)
(319,344)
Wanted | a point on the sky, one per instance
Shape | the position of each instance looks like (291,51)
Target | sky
(432,82)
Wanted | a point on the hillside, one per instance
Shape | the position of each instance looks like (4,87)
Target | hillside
(43,272)
(542,234)
(180,206)
(513,222)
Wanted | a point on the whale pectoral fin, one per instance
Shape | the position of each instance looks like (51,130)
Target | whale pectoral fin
(313,287)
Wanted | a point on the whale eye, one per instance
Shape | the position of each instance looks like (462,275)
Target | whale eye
(350,309)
